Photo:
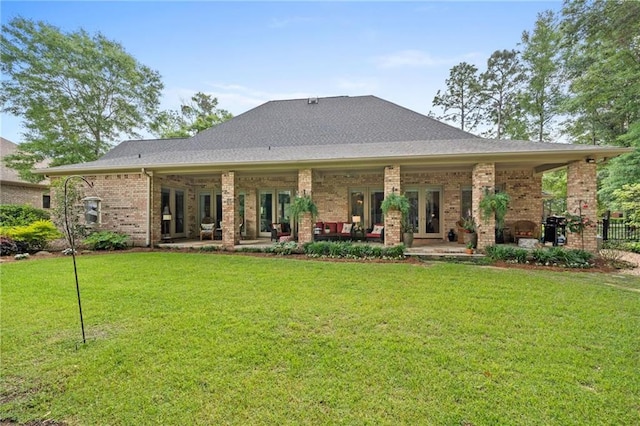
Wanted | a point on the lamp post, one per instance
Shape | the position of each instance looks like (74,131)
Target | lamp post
(72,239)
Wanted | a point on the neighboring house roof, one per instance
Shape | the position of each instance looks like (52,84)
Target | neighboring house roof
(9,176)
(334,130)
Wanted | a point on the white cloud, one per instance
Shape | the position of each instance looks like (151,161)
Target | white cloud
(419,59)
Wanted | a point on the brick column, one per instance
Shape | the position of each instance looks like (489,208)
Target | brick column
(230,212)
(483,178)
(305,223)
(251,218)
(393,219)
(581,198)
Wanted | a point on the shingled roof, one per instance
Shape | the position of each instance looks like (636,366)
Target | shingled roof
(316,129)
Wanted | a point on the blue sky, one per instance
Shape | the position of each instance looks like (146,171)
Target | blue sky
(247,53)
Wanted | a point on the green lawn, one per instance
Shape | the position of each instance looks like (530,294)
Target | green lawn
(179,338)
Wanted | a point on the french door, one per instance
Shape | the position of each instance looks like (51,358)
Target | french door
(173,206)
(210,208)
(425,213)
(274,208)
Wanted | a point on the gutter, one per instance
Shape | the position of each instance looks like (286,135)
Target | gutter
(149,176)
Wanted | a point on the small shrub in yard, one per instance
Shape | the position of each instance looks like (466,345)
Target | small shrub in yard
(33,237)
(8,247)
(284,248)
(107,240)
(507,254)
(558,256)
(346,249)
(633,247)
(21,215)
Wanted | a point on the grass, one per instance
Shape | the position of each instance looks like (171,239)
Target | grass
(179,338)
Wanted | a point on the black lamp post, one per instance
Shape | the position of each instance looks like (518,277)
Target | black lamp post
(92,215)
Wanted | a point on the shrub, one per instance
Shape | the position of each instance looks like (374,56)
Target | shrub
(8,247)
(507,254)
(21,215)
(107,240)
(346,249)
(632,247)
(34,237)
(558,256)
(284,248)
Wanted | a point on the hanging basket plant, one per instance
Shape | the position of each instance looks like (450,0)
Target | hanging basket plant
(301,205)
(495,204)
(395,201)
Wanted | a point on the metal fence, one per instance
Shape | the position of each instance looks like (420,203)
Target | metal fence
(618,231)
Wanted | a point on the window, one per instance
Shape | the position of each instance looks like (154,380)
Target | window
(46,201)
(466,202)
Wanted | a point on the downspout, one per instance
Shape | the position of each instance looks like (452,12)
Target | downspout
(149,175)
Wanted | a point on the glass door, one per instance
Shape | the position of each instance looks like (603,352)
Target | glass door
(432,213)
(375,212)
(173,206)
(413,219)
(266,213)
(274,208)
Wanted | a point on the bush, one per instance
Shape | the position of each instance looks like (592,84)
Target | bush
(284,248)
(633,247)
(107,240)
(507,254)
(21,215)
(8,247)
(557,256)
(33,237)
(346,249)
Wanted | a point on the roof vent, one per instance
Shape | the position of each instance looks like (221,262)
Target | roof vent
(312,101)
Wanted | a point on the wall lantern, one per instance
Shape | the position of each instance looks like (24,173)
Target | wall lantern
(590,160)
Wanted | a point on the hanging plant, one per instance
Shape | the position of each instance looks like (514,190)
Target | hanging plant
(301,205)
(400,203)
(495,204)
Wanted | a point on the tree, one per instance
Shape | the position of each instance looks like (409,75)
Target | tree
(500,90)
(543,94)
(76,93)
(602,55)
(629,196)
(199,114)
(462,100)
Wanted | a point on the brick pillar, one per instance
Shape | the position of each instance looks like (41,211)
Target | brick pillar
(393,219)
(581,198)
(230,212)
(483,178)
(305,223)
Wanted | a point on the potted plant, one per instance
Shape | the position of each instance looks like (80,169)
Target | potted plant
(468,230)
(400,203)
(408,230)
(469,249)
(495,204)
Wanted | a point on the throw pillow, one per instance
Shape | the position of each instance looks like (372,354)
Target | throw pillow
(277,227)
(346,228)
(377,229)
(207,226)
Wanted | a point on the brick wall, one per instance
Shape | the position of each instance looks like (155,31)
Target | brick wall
(22,194)
(230,211)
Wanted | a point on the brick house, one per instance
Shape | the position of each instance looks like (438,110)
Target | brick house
(15,190)
(347,153)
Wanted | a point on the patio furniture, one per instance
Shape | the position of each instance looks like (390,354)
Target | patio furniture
(279,230)
(523,229)
(207,229)
(376,233)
